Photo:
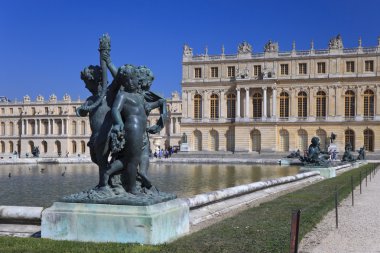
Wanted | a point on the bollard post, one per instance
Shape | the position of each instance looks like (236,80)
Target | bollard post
(366,176)
(370,174)
(336,206)
(294,229)
(352,189)
(360,180)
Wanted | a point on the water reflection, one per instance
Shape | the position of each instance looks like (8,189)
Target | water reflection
(41,185)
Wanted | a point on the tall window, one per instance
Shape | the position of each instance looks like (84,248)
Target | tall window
(231,106)
(2,111)
(302,68)
(214,72)
(322,138)
(214,106)
(197,140)
(197,106)
(284,69)
(257,70)
(214,140)
(302,104)
(368,66)
(284,140)
(321,104)
(230,139)
(74,128)
(197,72)
(284,105)
(11,129)
(349,137)
(11,148)
(44,146)
(302,140)
(83,147)
(74,147)
(321,67)
(83,128)
(369,140)
(231,71)
(257,105)
(256,140)
(2,147)
(11,111)
(350,66)
(349,104)
(2,128)
(369,104)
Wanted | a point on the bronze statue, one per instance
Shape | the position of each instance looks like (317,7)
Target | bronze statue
(314,156)
(118,119)
(347,156)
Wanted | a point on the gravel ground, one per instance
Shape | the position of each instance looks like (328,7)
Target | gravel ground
(359,225)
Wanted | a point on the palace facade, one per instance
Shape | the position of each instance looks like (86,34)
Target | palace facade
(53,126)
(275,101)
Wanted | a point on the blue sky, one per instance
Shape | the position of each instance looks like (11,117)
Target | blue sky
(45,44)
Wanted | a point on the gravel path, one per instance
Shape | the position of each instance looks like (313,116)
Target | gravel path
(359,225)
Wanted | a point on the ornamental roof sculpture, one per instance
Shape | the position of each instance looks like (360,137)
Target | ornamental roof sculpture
(26,99)
(40,98)
(244,48)
(52,98)
(336,42)
(270,47)
(66,97)
(187,51)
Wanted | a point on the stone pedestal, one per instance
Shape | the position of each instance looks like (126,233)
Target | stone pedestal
(154,224)
(184,147)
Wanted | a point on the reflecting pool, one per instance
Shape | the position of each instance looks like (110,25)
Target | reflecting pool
(41,185)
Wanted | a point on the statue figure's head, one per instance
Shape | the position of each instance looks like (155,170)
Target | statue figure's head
(130,78)
(315,141)
(92,77)
(146,76)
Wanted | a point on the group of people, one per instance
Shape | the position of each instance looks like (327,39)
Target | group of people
(118,119)
(167,153)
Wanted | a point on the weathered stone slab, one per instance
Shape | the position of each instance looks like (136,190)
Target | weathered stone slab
(154,224)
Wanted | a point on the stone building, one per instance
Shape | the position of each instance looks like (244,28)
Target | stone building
(277,101)
(53,126)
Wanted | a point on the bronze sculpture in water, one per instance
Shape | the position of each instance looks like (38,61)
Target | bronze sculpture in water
(119,143)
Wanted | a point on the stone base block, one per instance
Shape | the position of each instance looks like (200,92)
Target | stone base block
(154,224)
(184,147)
(326,172)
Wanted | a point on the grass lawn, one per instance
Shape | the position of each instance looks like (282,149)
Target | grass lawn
(265,228)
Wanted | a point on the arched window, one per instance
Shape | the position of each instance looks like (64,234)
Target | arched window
(73,147)
(31,146)
(58,148)
(284,140)
(369,104)
(231,106)
(74,128)
(321,134)
(302,104)
(11,147)
(44,146)
(321,104)
(2,128)
(302,140)
(256,140)
(11,129)
(230,139)
(197,140)
(2,147)
(284,105)
(83,147)
(197,106)
(349,137)
(214,140)
(257,105)
(83,128)
(214,106)
(349,104)
(369,139)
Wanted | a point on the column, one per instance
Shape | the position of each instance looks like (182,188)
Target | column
(62,127)
(188,104)
(265,112)
(52,126)
(49,127)
(26,127)
(39,127)
(22,127)
(222,113)
(246,102)
(204,105)
(237,102)
(67,126)
(171,126)
(274,104)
